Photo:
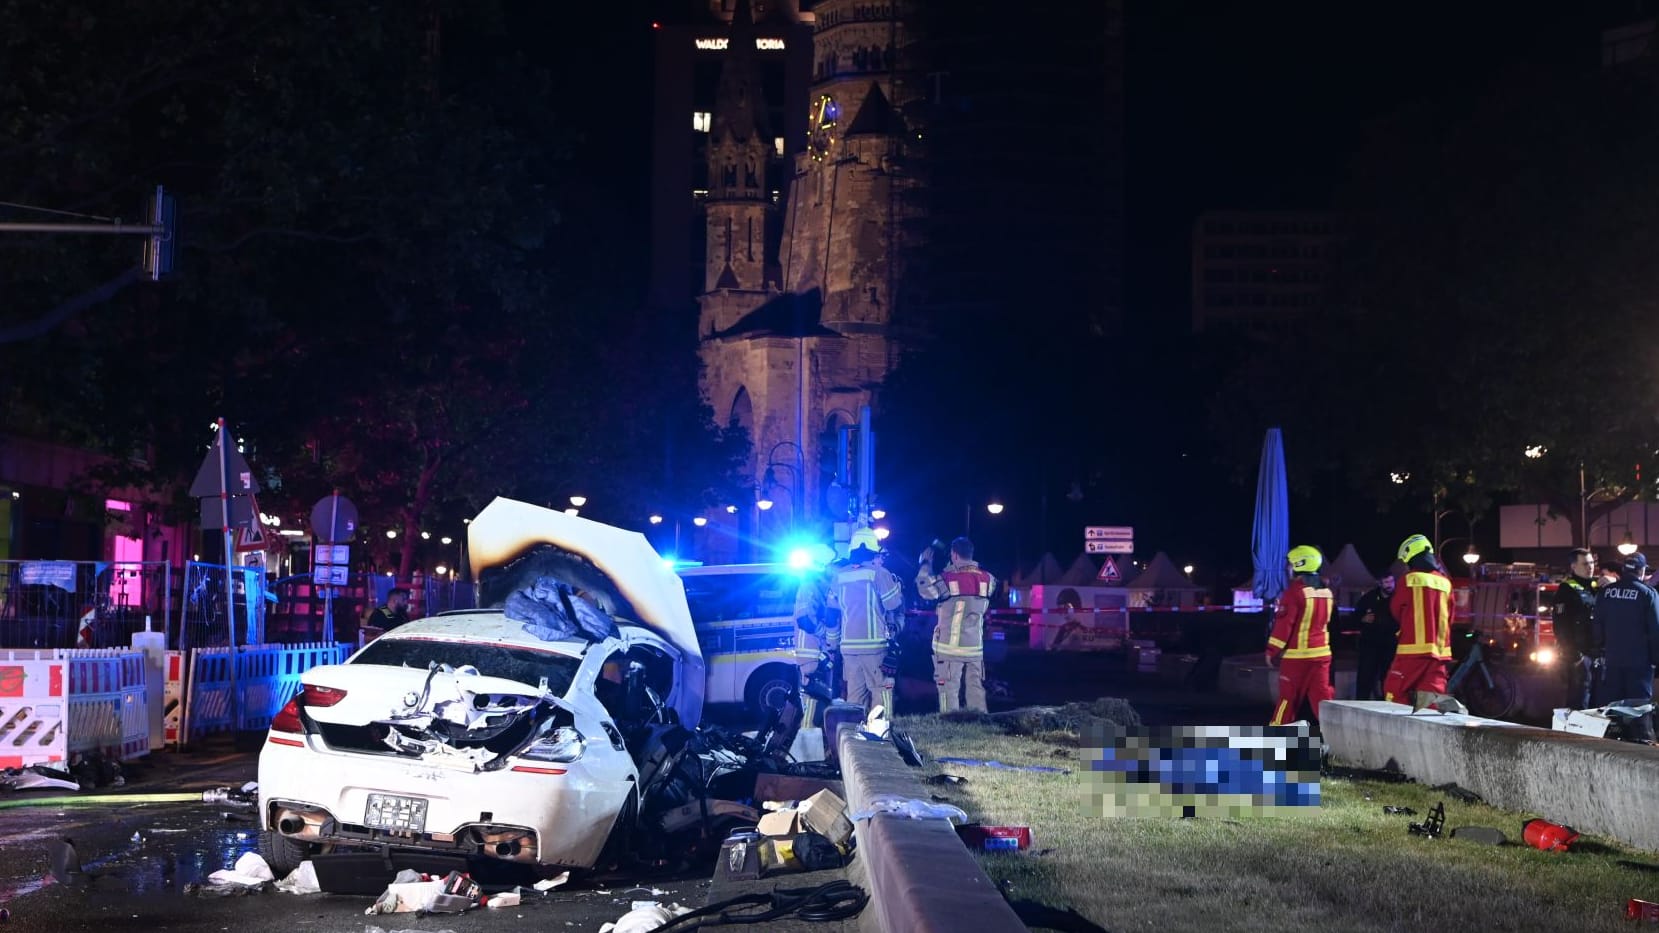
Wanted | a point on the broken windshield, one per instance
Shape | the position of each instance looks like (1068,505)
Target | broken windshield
(525,665)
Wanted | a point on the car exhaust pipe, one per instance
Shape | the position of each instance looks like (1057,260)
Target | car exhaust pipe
(301,824)
(507,849)
(290,825)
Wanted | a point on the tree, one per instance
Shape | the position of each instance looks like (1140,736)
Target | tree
(1497,295)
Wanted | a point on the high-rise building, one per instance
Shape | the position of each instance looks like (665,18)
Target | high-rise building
(1260,267)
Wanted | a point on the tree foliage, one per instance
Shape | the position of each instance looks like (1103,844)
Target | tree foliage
(382,285)
(1497,294)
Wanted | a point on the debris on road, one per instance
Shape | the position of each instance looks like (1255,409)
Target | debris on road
(909,809)
(250,870)
(549,884)
(1485,835)
(1000,765)
(1399,811)
(995,838)
(1548,837)
(37,777)
(1433,826)
(504,899)
(1462,794)
(644,917)
(302,880)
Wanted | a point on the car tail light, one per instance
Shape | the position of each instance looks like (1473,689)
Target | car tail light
(564,744)
(322,696)
(288,718)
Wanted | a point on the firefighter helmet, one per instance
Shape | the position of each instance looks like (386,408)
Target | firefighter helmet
(1413,546)
(1305,559)
(864,539)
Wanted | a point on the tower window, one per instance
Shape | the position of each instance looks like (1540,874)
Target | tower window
(777,145)
(702,121)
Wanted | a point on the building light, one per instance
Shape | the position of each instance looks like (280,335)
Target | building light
(702,121)
(722,43)
(777,144)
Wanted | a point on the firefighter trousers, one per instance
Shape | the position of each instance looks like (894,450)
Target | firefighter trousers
(1302,679)
(866,684)
(959,675)
(1411,673)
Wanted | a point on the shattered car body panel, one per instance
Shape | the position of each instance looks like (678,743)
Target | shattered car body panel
(522,733)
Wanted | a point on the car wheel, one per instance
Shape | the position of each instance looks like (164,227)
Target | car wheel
(770,687)
(618,843)
(281,853)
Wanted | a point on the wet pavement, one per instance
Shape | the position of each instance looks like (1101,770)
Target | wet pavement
(141,856)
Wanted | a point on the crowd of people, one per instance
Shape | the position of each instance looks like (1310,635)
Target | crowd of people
(1606,632)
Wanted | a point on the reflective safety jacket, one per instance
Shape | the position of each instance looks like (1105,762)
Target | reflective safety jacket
(1301,627)
(810,602)
(864,594)
(965,594)
(1422,602)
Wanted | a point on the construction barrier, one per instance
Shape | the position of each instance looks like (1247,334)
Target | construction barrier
(172,698)
(266,678)
(32,709)
(74,702)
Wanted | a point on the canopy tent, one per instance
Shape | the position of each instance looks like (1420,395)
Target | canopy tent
(1160,581)
(1047,571)
(1348,575)
(1082,572)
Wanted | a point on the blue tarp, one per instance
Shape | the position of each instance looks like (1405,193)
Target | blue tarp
(1270,536)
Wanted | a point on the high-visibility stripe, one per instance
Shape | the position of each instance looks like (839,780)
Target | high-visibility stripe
(1280,712)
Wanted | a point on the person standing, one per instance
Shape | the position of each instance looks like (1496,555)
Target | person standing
(964,593)
(1572,611)
(1626,638)
(1422,602)
(817,639)
(1301,638)
(861,594)
(1379,633)
(393,614)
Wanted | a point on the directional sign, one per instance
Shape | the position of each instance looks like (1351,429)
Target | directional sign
(331,554)
(1109,573)
(1109,533)
(1108,547)
(329,574)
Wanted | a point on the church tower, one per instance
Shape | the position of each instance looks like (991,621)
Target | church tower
(795,343)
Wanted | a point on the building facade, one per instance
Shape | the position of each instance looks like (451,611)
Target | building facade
(1260,267)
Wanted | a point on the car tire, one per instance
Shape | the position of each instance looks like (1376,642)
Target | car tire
(281,853)
(770,686)
(618,843)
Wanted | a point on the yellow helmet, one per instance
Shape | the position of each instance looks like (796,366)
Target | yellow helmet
(1413,546)
(1304,559)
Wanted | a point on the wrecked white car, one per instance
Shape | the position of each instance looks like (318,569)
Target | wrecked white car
(545,730)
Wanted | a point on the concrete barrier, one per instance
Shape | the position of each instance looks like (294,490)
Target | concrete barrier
(919,874)
(1593,785)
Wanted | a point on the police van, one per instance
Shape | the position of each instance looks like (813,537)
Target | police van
(745,618)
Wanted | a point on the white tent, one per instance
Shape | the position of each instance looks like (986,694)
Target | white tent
(1348,576)
(1047,571)
(1163,584)
(1082,572)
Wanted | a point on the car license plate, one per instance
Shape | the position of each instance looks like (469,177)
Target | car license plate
(386,811)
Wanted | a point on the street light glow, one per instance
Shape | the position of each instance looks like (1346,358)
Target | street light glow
(731,510)
(699,521)
(1399,479)
(1471,556)
(882,532)
(446,539)
(994,507)
(578,501)
(391,532)
(426,536)
(763,503)
(440,570)
(655,519)
(1187,570)
(878,514)
(1536,451)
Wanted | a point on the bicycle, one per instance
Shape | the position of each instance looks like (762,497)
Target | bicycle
(1487,691)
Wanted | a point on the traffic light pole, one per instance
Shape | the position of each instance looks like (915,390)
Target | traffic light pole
(161,230)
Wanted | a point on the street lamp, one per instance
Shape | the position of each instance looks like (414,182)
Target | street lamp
(994,507)
(878,514)
(655,519)
(1187,570)
(573,512)
(1628,546)
(764,503)
(578,501)
(1471,557)
(700,521)
(391,532)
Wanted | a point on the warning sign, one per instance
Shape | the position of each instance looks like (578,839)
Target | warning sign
(250,538)
(1109,572)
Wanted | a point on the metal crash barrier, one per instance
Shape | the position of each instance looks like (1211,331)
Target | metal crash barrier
(266,678)
(55,705)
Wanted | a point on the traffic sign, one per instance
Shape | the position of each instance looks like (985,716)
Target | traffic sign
(334,520)
(250,538)
(1109,572)
(331,554)
(1109,533)
(329,575)
(1108,547)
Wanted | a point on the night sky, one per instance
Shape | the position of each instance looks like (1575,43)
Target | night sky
(1230,105)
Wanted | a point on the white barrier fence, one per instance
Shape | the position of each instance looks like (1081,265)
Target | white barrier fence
(55,704)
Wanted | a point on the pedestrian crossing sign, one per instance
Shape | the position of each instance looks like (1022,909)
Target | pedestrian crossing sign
(1109,572)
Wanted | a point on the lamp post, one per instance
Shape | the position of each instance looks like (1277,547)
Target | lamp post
(1471,557)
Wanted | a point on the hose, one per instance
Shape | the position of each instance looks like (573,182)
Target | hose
(99,800)
(835,900)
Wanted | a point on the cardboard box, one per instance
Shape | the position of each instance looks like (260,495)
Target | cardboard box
(826,814)
(793,787)
(779,823)
(1581,722)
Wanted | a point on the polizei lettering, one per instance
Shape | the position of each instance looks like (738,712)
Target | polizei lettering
(1619,592)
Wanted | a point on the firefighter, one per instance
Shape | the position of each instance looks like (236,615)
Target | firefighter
(1301,637)
(1572,610)
(1626,639)
(964,593)
(862,594)
(817,639)
(1422,602)
(1379,632)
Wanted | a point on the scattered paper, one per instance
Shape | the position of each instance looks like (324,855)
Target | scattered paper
(551,883)
(302,880)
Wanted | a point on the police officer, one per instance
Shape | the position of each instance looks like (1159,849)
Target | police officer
(1572,610)
(964,593)
(1379,633)
(862,594)
(1626,639)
